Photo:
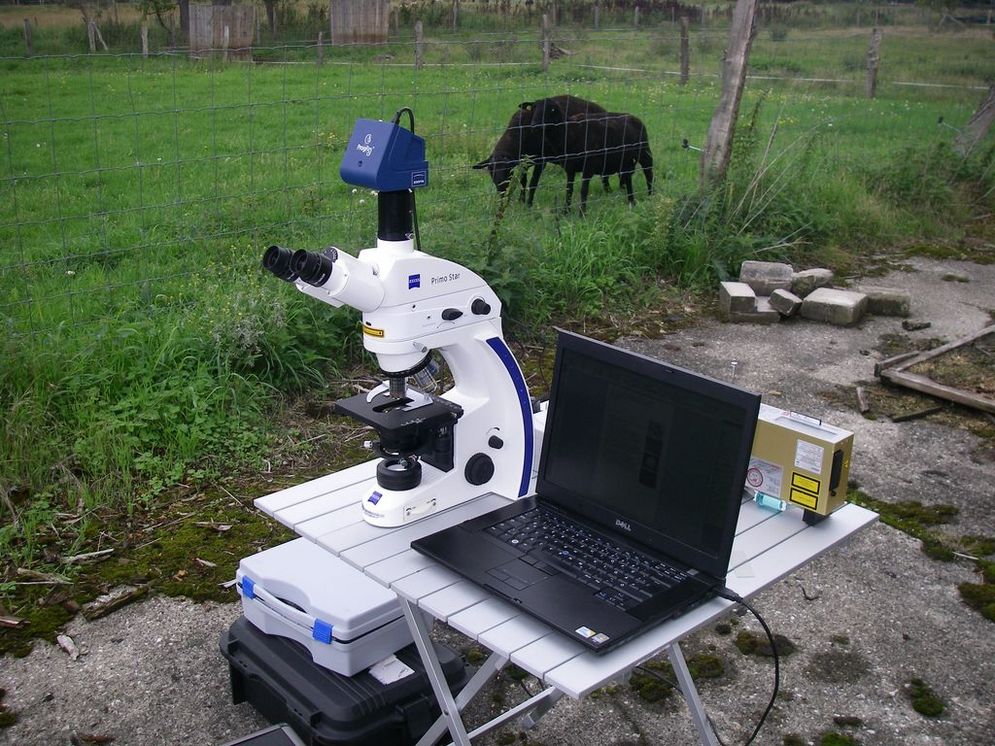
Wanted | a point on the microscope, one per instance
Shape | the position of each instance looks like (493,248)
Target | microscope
(435,451)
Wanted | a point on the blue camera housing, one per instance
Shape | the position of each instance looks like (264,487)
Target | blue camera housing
(384,156)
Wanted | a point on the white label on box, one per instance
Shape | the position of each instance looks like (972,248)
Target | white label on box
(389,670)
(763,476)
(808,456)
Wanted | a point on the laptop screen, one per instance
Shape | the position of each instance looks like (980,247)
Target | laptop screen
(647,449)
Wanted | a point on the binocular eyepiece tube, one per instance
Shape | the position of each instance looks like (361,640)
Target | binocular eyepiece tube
(310,266)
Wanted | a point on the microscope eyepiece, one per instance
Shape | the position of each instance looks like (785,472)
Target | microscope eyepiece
(278,261)
(312,267)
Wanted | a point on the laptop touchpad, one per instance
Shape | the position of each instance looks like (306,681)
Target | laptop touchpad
(517,574)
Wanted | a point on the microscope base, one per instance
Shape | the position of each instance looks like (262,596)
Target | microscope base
(438,491)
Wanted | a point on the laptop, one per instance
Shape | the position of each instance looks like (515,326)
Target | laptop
(638,493)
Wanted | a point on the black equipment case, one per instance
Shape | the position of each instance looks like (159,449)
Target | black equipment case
(279,679)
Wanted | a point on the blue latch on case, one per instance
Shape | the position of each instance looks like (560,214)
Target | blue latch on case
(248,587)
(322,631)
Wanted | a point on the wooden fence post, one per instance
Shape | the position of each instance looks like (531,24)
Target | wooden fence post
(873,60)
(419,46)
(977,127)
(685,52)
(635,17)
(145,41)
(545,43)
(224,43)
(718,144)
(455,14)
(321,48)
(597,16)
(91,37)
(28,45)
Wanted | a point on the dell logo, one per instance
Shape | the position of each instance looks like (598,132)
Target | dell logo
(623,525)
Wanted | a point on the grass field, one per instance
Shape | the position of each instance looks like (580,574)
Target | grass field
(144,346)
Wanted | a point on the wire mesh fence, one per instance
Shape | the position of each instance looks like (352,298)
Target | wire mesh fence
(136,183)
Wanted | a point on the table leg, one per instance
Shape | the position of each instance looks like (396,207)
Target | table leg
(532,719)
(478,681)
(450,712)
(705,732)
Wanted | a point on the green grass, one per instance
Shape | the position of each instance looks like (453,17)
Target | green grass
(144,346)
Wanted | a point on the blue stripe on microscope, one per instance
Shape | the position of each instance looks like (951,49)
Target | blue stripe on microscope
(497,344)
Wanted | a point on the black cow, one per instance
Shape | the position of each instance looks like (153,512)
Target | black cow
(523,140)
(594,144)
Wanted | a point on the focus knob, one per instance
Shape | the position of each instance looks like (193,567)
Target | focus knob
(480,307)
(479,469)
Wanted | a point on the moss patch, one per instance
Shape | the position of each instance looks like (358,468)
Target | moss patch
(980,597)
(924,700)
(655,680)
(913,518)
(188,548)
(832,738)
(848,721)
(750,643)
(7,717)
(837,666)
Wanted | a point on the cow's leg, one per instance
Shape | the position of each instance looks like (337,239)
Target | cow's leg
(585,185)
(604,181)
(646,161)
(626,179)
(570,190)
(536,173)
(521,181)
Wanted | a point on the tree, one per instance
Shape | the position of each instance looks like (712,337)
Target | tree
(159,8)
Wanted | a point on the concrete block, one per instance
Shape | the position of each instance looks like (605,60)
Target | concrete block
(804,282)
(886,301)
(736,297)
(764,314)
(785,302)
(765,277)
(838,307)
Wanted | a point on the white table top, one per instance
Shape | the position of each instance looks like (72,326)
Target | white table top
(768,546)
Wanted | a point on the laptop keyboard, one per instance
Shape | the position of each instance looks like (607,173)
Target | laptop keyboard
(619,575)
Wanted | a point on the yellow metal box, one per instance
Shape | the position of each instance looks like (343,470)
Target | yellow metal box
(800,460)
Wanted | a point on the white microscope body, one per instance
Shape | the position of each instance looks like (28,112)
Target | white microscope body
(412,304)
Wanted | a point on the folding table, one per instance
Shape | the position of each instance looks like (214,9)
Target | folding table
(768,546)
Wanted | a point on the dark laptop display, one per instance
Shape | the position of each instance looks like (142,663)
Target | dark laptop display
(640,479)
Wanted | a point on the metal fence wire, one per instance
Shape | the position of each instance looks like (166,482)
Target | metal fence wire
(129,182)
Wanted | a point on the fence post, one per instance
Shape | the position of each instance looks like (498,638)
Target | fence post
(321,47)
(718,144)
(419,46)
(977,127)
(685,52)
(455,14)
(635,17)
(28,45)
(597,16)
(145,41)
(91,37)
(224,44)
(545,43)
(873,60)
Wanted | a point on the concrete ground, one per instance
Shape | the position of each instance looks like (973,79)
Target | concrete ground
(866,618)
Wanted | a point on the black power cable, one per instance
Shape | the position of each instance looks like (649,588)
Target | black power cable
(414,210)
(736,598)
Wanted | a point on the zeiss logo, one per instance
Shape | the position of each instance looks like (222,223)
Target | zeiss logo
(622,524)
(414,281)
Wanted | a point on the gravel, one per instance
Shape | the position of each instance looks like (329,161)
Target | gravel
(866,618)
